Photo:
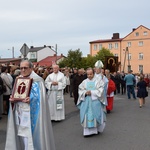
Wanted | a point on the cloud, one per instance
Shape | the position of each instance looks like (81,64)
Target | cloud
(71,24)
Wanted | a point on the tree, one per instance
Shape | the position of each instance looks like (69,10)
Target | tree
(73,59)
(102,54)
(88,61)
(63,63)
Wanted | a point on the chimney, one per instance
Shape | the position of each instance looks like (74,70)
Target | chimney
(133,29)
(31,46)
(115,36)
(54,54)
(44,45)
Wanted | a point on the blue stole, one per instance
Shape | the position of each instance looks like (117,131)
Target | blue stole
(34,104)
(89,115)
(91,109)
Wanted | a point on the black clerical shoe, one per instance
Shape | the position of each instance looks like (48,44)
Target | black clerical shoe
(4,114)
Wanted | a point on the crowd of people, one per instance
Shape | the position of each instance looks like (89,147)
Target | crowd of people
(29,121)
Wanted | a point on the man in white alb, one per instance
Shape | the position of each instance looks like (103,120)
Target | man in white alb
(56,83)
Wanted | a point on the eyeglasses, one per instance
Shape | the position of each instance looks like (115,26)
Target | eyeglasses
(25,68)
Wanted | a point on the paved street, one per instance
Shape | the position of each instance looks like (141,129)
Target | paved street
(127,128)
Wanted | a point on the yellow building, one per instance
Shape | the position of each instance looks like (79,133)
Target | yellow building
(133,50)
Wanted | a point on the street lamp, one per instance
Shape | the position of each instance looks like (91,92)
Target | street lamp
(12,52)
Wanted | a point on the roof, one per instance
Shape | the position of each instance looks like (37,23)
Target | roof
(106,40)
(136,29)
(35,49)
(3,60)
(48,61)
(116,40)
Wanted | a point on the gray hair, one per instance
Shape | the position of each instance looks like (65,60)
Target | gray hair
(17,72)
(29,62)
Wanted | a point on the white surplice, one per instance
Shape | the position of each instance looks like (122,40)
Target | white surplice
(53,93)
(29,126)
(96,95)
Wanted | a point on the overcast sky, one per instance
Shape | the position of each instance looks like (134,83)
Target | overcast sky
(71,24)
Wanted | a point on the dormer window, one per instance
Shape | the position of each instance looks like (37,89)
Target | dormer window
(145,33)
(136,33)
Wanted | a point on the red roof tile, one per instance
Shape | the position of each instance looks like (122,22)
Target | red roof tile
(48,61)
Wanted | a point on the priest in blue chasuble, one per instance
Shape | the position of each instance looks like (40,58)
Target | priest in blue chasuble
(29,124)
(92,104)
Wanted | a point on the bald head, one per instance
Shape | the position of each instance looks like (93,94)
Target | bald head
(55,68)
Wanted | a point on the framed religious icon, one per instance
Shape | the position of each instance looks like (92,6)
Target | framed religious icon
(21,89)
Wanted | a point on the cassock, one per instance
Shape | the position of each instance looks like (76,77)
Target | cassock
(92,112)
(110,94)
(55,95)
(76,81)
(29,126)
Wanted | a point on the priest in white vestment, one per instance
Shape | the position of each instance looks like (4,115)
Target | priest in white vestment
(91,103)
(56,83)
(98,74)
(29,126)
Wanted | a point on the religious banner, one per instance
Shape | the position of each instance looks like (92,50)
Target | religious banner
(111,63)
(22,87)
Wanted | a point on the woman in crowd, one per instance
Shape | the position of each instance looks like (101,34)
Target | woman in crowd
(141,91)
(7,80)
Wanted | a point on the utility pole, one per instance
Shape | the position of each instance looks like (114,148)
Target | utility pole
(13,52)
(129,67)
(126,50)
(56,52)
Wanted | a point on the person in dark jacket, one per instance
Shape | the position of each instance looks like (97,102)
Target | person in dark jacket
(77,80)
(1,97)
(123,83)
(141,91)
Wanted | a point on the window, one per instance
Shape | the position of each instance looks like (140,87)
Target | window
(129,67)
(140,43)
(116,55)
(129,56)
(95,47)
(116,45)
(109,46)
(32,56)
(140,56)
(129,44)
(140,68)
(100,46)
(145,33)
(136,33)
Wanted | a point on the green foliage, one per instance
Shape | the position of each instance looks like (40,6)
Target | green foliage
(102,54)
(88,61)
(63,63)
(74,59)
